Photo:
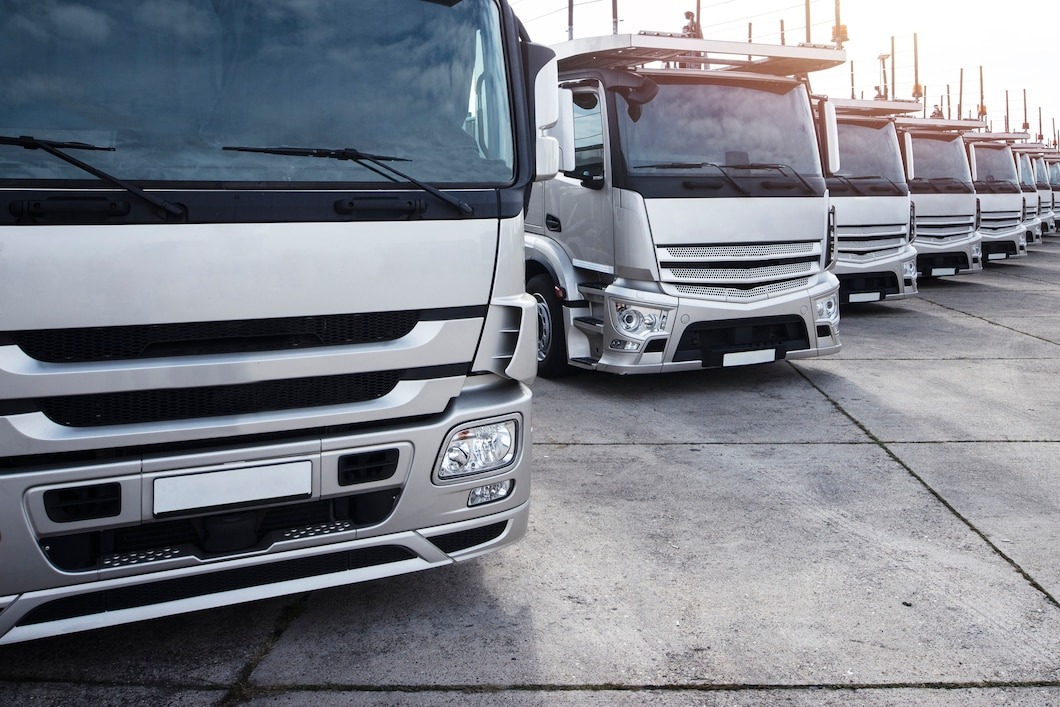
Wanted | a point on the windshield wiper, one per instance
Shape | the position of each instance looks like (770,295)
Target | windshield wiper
(55,147)
(688,184)
(786,170)
(376,163)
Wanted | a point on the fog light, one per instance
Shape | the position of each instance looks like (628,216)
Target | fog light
(1023,239)
(909,269)
(475,450)
(623,345)
(490,493)
(977,250)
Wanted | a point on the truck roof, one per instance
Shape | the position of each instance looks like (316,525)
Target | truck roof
(630,51)
(875,108)
(940,125)
(1007,138)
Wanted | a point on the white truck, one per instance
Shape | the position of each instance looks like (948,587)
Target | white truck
(1032,213)
(947,215)
(690,226)
(874,215)
(1039,173)
(1000,197)
(264,325)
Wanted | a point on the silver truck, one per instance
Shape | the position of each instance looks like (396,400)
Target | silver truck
(947,216)
(1000,197)
(264,324)
(690,226)
(874,215)
(1039,172)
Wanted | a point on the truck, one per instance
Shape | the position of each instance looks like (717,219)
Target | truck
(1034,153)
(264,324)
(875,220)
(948,241)
(689,226)
(1000,196)
(1032,208)
(1052,162)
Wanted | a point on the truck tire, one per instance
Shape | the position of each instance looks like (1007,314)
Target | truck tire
(551,342)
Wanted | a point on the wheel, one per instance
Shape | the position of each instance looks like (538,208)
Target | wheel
(551,345)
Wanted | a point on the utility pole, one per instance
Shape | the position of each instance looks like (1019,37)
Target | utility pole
(614,16)
(808,22)
(918,92)
(570,19)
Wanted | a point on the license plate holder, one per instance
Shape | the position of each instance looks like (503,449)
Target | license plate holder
(232,487)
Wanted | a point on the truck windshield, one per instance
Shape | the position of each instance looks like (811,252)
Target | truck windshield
(870,151)
(940,157)
(1054,175)
(1041,173)
(725,124)
(995,165)
(168,83)
(1026,172)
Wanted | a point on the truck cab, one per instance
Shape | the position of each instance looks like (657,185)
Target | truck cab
(264,325)
(875,226)
(1000,197)
(690,227)
(947,216)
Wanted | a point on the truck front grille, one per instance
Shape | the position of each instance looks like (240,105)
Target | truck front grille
(201,338)
(141,406)
(738,271)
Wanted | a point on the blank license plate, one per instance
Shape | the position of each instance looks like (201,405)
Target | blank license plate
(228,487)
(935,272)
(865,297)
(996,256)
(745,358)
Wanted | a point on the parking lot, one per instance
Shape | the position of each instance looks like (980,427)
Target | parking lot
(877,527)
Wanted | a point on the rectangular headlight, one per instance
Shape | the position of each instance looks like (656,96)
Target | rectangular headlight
(478,449)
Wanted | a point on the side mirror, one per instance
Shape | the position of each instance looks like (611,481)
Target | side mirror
(907,155)
(563,130)
(541,64)
(971,163)
(829,136)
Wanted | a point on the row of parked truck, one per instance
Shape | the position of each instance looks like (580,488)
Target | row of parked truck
(712,211)
(273,275)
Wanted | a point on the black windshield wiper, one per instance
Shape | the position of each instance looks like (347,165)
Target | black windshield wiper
(848,181)
(786,170)
(926,180)
(56,147)
(688,184)
(376,163)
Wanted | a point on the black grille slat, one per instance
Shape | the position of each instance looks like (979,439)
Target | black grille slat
(201,338)
(212,583)
(214,401)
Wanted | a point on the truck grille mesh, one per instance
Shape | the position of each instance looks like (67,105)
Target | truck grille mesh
(213,401)
(199,338)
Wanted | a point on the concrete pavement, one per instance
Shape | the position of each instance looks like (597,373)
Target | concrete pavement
(876,528)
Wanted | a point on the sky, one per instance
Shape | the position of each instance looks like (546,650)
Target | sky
(1017,49)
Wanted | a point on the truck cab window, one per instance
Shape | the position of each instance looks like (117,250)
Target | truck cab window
(588,137)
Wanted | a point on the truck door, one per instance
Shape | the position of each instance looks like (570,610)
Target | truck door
(580,201)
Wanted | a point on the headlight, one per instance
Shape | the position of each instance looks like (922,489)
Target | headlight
(637,321)
(909,269)
(828,308)
(977,250)
(478,449)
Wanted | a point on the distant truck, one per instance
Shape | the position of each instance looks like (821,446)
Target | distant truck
(875,222)
(1000,196)
(690,227)
(1035,153)
(947,216)
(264,325)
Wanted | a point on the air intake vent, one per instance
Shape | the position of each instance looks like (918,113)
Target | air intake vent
(367,466)
(83,502)
(462,540)
(206,584)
